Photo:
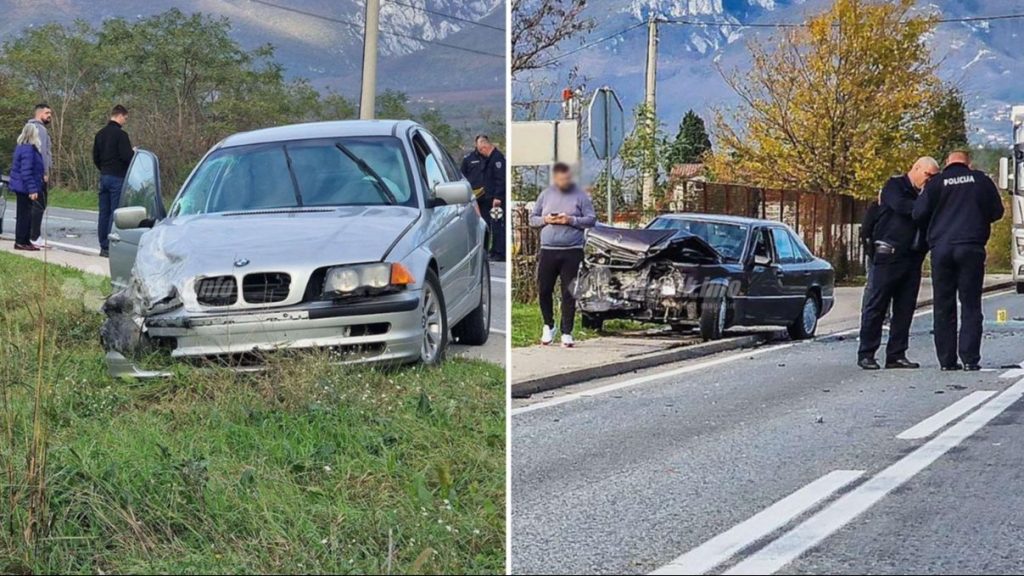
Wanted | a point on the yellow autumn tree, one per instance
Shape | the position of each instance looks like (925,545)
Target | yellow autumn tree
(836,106)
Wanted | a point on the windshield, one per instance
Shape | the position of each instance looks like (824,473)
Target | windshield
(727,239)
(362,171)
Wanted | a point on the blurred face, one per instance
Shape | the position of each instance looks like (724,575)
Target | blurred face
(484,147)
(920,175)
(44,115)
(562,180)
(121,119)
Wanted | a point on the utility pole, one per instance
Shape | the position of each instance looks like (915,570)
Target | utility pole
(368,98)
(651,81)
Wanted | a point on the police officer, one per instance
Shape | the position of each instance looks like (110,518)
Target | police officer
(895,275)
(957,208)
(484,167)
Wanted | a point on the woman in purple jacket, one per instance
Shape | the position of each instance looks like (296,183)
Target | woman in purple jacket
(27,172)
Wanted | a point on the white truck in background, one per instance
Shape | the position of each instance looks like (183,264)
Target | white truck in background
(1011,179)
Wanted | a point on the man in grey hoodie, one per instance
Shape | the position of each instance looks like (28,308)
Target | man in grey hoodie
(563,212)
(41,117)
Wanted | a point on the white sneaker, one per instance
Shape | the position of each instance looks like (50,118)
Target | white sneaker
(39,243)
(547,336)
(567,341)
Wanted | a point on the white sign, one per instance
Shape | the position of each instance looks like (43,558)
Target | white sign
(544,143)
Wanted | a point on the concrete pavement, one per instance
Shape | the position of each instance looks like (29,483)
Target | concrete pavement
(785,458)
(539,368)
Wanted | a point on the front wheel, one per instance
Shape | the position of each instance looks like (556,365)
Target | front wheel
(713,313)
(806,325)
(591,322)
(434,318)
(475,328)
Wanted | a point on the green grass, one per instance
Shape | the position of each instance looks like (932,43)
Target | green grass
(306,467)
(79,200)
(527,325)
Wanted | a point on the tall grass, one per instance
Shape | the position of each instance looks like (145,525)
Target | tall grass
(305,467)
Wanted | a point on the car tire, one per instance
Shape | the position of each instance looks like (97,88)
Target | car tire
(591,322)
(1020,287)
(475,328)
(804,327)
(713,313)
(434,315)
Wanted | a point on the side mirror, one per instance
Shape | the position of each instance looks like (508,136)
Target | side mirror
(451,193)
(762,260)
(130,217)
(1004,173)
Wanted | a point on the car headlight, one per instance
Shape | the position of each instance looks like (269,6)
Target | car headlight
(1020,245)
(363,278)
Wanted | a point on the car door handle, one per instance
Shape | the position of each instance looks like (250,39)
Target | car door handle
(114,237)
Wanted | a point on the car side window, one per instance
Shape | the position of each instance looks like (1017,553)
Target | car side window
(445,159)
(429,165)
(803,253)
(762,245)
(784,246)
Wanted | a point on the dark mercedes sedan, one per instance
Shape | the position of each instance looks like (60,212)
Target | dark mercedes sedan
(705,271)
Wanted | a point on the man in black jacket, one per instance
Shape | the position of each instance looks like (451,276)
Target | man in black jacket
(111,153)
(895,275)
(485,168)
(958,208)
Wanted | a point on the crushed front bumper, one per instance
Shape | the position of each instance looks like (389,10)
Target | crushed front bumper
(384,329)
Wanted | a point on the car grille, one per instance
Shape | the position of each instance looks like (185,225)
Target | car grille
(217,291)
(266,288)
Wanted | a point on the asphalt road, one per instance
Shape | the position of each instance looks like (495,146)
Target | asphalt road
(61,226)
(786,458)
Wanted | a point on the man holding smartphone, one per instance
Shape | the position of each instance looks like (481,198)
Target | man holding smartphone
(563,212)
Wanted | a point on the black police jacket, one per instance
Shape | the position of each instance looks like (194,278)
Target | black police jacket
(486,172)
(958,206)
(895,225)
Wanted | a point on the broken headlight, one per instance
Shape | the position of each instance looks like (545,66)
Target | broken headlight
(365,278)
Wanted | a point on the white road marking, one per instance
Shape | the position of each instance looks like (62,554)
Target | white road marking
(939,420)
(650,378)
(813,531)
(724,546)
(74,248)
(497,331)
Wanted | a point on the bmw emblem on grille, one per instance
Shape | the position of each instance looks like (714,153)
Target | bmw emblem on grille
(241,262)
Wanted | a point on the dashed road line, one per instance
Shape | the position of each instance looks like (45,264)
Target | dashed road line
(939,420)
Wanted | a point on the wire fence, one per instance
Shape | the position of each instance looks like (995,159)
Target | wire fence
(828,223)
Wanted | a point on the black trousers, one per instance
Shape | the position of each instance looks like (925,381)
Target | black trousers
(38,208)
(894,280)
(553,265)
(23,222)
(497,227)
(958,272)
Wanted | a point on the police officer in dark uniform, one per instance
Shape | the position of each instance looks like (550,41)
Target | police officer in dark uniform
(485,167)
(958,208)
(895,275)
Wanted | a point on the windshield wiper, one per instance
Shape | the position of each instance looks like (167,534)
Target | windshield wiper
(295,180)
(382,186)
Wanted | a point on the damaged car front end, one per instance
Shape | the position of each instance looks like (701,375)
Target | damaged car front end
(362,260)
(705,272)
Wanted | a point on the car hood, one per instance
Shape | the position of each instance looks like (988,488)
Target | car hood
(183,248)
(620,247)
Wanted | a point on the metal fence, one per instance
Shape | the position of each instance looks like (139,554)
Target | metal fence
(828,223)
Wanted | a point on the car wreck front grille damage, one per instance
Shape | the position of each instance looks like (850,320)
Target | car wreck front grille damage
(266,288)
(217,291)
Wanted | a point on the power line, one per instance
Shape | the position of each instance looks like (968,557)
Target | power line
(358,26)
(446,15)
(591,44)
(726,23)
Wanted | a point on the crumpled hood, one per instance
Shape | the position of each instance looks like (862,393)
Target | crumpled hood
(183,248)
(622,247)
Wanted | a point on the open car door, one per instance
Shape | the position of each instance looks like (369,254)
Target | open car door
(141,191)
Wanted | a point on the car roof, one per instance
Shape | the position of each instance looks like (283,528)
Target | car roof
(723,218)
(312,130)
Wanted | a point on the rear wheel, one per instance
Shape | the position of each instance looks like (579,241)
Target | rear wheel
(476,327)
(1020,287)
(591,322)
(434,318)
(713,313)
(806,325)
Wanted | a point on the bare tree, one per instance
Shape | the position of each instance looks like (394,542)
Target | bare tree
(539,26)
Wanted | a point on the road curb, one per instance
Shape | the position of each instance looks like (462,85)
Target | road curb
(62,246)
(545,383)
